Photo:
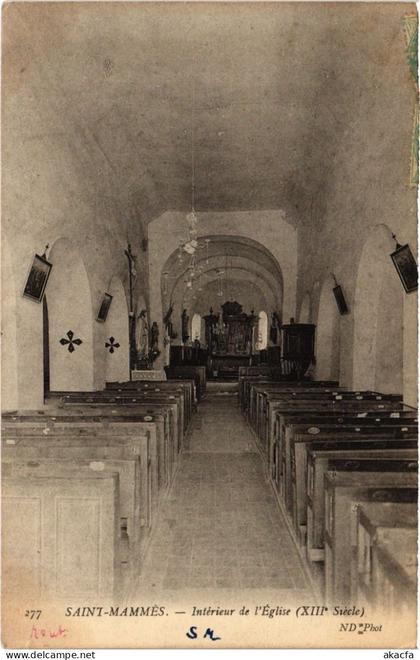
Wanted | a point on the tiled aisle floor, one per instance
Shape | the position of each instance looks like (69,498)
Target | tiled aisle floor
(220,527)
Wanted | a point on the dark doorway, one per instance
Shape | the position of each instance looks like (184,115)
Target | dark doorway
(46,347)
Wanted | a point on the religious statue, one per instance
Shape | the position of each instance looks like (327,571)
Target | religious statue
(142,333)
(154,336)
(166,348)
(184,324)
(168,323)
(273,328)
(211,322)
(311,370)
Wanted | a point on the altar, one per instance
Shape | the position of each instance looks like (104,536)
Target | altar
(230,340)
(227,366)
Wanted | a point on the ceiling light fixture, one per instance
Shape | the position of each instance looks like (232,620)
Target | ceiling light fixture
(191,244)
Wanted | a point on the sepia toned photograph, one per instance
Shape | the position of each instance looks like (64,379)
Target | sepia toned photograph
(229,459)
(104,308)
(406,267)
(37,278)
(340,300)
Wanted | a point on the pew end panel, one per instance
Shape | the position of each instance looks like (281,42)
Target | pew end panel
(71,544)
(393,525)
(343,492)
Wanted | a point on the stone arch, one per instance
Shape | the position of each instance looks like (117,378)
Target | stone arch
(378,317)
(327,342)
(248,267)
(70,320)
(117,344)
(226,252)
(267,231)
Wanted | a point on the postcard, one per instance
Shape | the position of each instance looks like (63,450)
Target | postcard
(224,456)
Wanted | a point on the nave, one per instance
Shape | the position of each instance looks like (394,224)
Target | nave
(271,491)
(220,531)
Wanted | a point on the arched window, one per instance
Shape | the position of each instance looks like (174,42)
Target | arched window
(196,328)
(262,331)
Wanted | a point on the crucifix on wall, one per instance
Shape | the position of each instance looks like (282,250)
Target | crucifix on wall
(132,275)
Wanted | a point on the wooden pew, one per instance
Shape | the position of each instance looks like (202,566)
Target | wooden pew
(126,455)
(249,375)
(394,573)
(134,491)
(254,387)
(258,392)
(294,446)
(247,382)
(323,456)
(319,396)
(103,449)
(270,374)
(184,389)
(85,427)
(306,410)
(134,387)
(265,402)
(168,436)
(166,411)
(319,411)
(163,430)
(262,397)
(344,490)
(198,373)
(142,397)
(60,535)
(363,410)
(156,399)
(380,580)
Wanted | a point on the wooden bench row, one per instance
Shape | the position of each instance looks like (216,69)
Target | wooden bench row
(385,564)
(272,401)
(186,388)
(89,473)
(264,373)
(261,372)
(198,373)
(326,452)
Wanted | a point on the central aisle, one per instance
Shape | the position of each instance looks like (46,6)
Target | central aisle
(220,527)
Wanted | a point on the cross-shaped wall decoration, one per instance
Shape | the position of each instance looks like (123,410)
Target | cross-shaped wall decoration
(70,342)
(111,344)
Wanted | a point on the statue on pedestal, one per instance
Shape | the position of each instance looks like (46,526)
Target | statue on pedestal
(142,338)
(154,336)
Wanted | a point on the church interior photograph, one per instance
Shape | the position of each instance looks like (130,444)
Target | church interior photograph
(209,322)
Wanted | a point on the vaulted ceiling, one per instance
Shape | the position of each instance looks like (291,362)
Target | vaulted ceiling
(260,93)
(224,266)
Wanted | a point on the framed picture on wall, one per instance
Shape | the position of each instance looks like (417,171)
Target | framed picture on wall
(406,267)
(37,278)
(104,308)
(340,300)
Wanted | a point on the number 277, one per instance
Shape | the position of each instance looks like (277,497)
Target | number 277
(33,614)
